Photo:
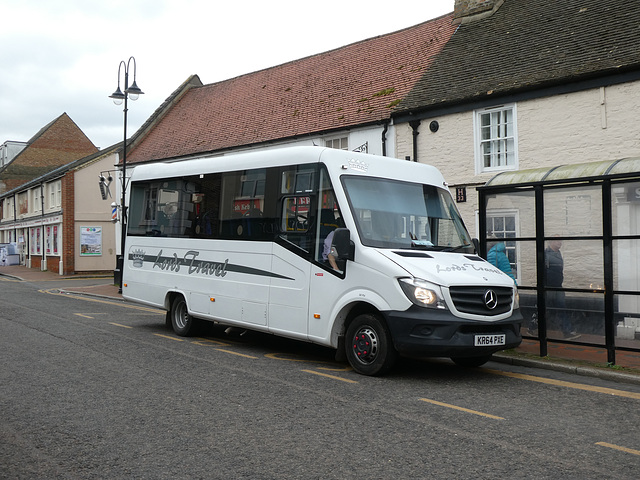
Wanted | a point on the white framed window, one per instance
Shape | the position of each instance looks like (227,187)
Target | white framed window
(341,143)
(54,194)
(8,211)
(23,203)
(36,240)
(496,140)
(35,203)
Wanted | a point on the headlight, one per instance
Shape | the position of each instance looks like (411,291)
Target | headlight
(423,293)
(516,299)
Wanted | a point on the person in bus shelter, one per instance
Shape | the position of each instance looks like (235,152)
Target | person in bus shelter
(497,256)
(553,277)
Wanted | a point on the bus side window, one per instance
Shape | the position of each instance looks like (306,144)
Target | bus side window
(206,206)
(297,194)
(242,204)
(142,212)
(329,219)
(295,211)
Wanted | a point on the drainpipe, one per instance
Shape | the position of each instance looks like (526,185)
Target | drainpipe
(384,138)
(15,220)
(43,266)
(414,126)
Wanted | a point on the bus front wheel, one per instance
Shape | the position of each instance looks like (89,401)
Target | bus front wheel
(368,345)
(183,323)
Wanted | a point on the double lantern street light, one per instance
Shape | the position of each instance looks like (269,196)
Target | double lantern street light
(130,92)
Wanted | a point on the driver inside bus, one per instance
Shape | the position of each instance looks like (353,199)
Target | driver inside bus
(329,254)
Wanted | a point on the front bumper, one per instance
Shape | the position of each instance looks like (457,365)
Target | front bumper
(435,333)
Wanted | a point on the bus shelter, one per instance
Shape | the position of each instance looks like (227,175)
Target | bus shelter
(571,235)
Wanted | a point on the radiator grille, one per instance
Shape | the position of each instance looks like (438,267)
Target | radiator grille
(478,300)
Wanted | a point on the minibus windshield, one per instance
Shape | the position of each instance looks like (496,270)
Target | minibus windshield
(396,214)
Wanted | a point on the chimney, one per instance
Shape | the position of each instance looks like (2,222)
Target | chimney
(466,11)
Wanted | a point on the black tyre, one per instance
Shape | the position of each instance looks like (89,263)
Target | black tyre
(183,323)
(471,362)
(368,346)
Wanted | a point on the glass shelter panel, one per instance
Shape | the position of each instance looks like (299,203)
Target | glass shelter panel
(525,266)
(574,264)
(627,319)
(575,314)
(626,269)
(519,210)
(625,204)
(575,211)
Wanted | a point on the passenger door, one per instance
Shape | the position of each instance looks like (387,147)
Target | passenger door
(289,293)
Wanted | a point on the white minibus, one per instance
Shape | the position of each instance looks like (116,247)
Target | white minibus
(361,253)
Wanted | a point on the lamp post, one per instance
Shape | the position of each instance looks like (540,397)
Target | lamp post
(132,92)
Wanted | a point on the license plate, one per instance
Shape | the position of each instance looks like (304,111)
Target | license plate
(490,340)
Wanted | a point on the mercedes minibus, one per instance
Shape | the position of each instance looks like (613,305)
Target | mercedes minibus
(361,253)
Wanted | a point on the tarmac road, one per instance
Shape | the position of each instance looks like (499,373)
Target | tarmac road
(94,387)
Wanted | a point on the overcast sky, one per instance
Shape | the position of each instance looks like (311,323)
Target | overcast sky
(63,55)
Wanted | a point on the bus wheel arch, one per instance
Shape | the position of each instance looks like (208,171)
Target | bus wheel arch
(179,318)
(368,344)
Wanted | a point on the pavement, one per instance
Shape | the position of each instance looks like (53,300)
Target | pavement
(563,357)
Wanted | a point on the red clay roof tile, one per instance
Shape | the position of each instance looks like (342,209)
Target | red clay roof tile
(353,85)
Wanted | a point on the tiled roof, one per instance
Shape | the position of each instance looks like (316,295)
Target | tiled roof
(45,176)
(58,143)
(354,85)
(529,44)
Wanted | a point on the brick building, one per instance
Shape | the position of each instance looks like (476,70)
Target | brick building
(56,144)
(54,213)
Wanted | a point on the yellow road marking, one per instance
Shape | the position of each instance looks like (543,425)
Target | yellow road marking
(562,383)
(277,356)
(337,369)
(295,358)
(82,315)
(119,325)
(170,338)
(204,341)
(618,447)
(108,302)
(330,376)
(455,407)
(235,353)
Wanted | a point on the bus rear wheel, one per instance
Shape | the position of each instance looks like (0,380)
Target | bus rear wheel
(368,345)
(181,321)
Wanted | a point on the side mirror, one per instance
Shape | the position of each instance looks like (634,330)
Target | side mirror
(343,244)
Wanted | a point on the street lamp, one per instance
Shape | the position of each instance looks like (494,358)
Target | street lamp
(132,92)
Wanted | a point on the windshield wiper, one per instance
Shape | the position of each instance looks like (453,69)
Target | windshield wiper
(421,245)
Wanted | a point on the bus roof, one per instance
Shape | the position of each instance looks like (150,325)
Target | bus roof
(346,162)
